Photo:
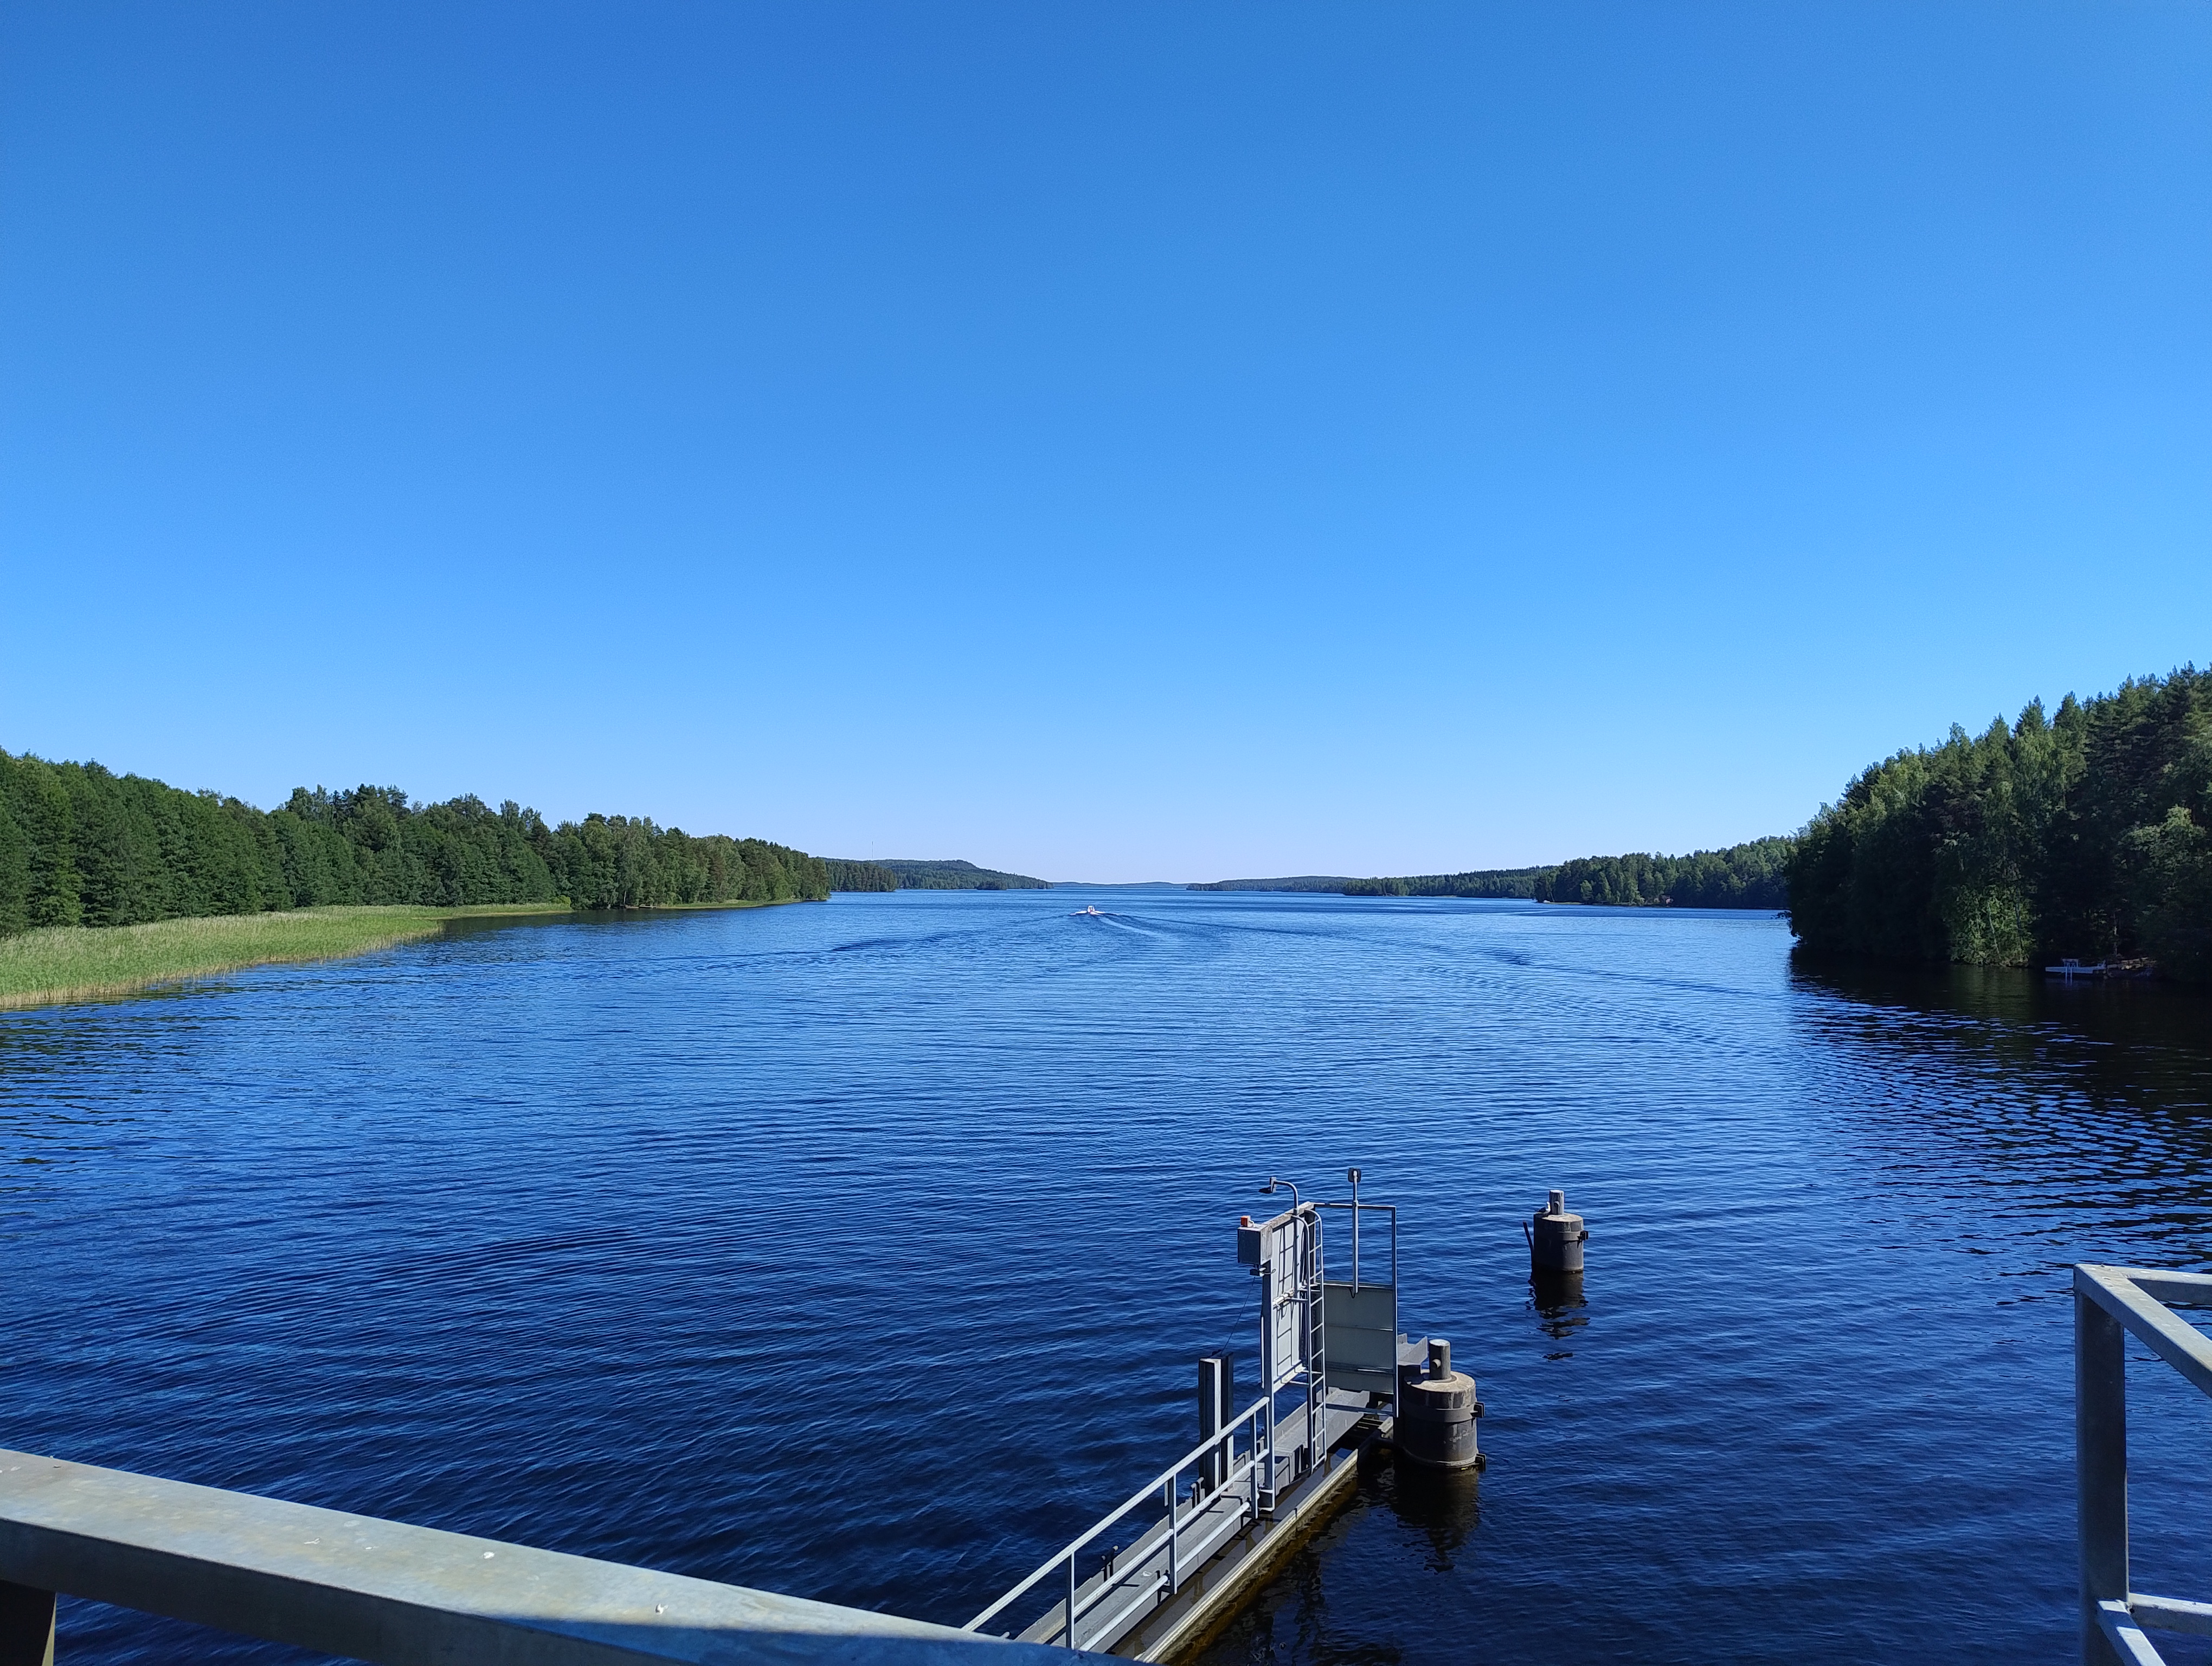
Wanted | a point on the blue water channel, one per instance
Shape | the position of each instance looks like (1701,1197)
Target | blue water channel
(863,1250)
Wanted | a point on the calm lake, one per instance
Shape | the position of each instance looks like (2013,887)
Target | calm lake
(863,1250)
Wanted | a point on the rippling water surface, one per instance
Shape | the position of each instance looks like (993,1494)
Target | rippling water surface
(862,1251)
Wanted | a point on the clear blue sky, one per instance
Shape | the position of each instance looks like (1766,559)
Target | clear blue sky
(1108,442)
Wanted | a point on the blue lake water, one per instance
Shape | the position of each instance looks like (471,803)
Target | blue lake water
(863,1250)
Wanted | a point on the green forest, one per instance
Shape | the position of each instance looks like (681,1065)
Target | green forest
(1304,882)
(1743,876)
(2087,832)
(907,874)
(81,846)
(1485,882)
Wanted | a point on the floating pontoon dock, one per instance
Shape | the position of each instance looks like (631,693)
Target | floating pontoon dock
(1154,1578)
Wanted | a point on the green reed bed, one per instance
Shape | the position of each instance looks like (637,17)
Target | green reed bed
(83,962)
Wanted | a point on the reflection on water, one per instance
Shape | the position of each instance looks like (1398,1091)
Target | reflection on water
(1433,1517)
(1444,1506)
(556,1231)
(1557,1300)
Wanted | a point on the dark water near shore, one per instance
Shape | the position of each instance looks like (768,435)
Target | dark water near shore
(861,1251)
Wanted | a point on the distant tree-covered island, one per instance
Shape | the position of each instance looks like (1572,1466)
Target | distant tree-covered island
(1744,876)
(80,846)
(904,874)
(1309,882)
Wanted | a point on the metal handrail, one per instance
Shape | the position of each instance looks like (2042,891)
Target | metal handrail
(359,1588)
(2110,1302)
(1168,1481)
(1357,1208)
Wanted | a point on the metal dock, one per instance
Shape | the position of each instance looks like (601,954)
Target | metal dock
(1156,1577)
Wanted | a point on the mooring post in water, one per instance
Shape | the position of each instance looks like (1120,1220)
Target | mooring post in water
(1556,1237)
(2101,1467)
(1438,1409)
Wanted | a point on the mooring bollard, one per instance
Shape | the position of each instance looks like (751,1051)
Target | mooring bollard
(1437,1412)
(1556,1237)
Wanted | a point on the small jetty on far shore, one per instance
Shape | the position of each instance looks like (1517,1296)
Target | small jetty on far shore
(2069,969)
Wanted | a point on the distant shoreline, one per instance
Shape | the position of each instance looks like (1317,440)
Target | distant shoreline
(56,965)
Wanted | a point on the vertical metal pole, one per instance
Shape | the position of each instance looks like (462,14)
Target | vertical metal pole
(2100,1466)
(1355,1232)
(1263,1434)
(26,1625)
(1211,1472)
(1070,1599)
(1175,1568)
(1254,1471)
(1317,1360)
(1391,1329)
(1310,1230)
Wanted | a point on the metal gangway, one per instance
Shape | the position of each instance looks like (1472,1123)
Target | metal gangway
(1147,1576)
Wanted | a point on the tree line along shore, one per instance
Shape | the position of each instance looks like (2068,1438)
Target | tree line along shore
(1744,876)
(2084,832)
(112,883)
(80,846)
(900,874)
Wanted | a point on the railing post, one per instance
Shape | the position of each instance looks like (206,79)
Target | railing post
(1217,1406)
(1070,1599)
(26,1625)
(1175,1566)
(2100,1466)
(1252,1471)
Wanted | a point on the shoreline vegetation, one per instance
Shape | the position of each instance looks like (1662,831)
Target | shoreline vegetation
(80,846)
(111,884)
(51,965)
(55,963)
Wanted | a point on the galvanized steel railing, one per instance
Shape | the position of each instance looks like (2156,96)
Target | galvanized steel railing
(377,1590)
(1130,1585)
(2109,1303)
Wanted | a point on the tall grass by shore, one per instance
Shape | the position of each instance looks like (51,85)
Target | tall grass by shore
(85,963)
